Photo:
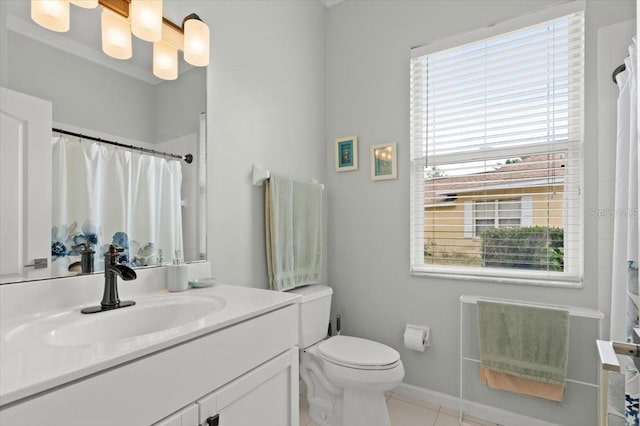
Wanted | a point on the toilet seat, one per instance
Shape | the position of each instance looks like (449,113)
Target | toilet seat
(359,354)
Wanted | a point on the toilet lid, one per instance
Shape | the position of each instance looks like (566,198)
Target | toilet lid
(358,353)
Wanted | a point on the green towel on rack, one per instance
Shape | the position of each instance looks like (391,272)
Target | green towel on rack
(524,341)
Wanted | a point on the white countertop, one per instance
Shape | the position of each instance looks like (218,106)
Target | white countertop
(31,366)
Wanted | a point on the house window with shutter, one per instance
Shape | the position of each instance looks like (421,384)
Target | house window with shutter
(496,152)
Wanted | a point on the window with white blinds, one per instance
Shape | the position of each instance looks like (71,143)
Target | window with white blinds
(496,155)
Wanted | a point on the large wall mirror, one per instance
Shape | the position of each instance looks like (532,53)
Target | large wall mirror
(100,97)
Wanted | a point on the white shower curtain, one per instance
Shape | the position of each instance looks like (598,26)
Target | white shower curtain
(104,194)
(624,297)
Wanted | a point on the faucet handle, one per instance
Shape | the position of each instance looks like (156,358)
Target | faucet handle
(112,252)
(114,249)
(85,248)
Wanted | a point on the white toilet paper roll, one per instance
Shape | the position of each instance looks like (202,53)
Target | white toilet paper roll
(414,338)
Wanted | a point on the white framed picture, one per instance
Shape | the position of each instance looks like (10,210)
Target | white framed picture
(384,161)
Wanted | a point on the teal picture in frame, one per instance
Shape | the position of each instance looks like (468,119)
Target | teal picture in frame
(346,154)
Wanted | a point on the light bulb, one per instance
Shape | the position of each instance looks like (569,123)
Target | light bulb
(165,61)
(196,41)
(87,4)
(51,14)
(146,19)
(116,35)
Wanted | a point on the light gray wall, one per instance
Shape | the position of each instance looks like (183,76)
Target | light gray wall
(265,105)
(179,103)
(94,97)
(368,48)
(83,93)
(4,46)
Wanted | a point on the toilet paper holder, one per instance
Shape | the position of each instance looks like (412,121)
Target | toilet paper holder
(412,329)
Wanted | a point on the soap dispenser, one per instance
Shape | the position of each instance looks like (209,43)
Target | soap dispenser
(177,279)
(86,259)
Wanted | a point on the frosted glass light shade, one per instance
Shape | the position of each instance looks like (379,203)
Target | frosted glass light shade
(146,19)
(165,61)
(87,4)
(51,14)
(116,35)
(196,42)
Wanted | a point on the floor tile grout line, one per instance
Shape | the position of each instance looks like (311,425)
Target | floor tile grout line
(418,405)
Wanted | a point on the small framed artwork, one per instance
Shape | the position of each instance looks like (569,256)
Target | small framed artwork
(346,154)
(384,161)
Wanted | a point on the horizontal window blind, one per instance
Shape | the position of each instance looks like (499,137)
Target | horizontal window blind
(496,156)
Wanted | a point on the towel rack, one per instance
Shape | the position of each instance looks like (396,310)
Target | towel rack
(260,174)
(474,406)
(575,311)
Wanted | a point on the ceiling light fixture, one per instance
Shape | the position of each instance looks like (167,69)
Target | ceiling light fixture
(143,18)
(51,14)
(196,41)
(116,35)
(87,4)
(165,60)
(146,19)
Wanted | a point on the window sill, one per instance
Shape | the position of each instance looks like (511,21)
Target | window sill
(542,279)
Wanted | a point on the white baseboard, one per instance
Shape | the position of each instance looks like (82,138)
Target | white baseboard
(471,409)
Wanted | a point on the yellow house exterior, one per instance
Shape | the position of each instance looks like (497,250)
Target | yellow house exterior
(458,208)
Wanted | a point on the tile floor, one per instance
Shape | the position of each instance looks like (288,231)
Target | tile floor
(405,411)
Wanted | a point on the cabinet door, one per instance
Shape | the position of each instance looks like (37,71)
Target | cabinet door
(267,395)
(188,416)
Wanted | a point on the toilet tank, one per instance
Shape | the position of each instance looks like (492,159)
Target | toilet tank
(314,310)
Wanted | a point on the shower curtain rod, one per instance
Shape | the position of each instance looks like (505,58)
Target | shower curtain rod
(187,158)
(617,71)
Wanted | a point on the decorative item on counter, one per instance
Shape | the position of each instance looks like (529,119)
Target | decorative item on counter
(202,282)
(160,259)
(177,274)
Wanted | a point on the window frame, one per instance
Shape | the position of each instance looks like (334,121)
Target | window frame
(572,276)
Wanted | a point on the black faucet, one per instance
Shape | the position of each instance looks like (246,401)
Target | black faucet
(110,299)
(86,262)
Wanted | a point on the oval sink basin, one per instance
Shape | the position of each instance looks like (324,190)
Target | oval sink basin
(145,317)
(169,314)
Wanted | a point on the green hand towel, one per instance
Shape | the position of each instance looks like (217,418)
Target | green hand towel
(293,215)
(524,341)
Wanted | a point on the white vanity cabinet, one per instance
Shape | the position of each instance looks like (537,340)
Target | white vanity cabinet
(246,373)
(188,416)
(262,396)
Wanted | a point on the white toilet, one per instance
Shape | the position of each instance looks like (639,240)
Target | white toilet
(345,377)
